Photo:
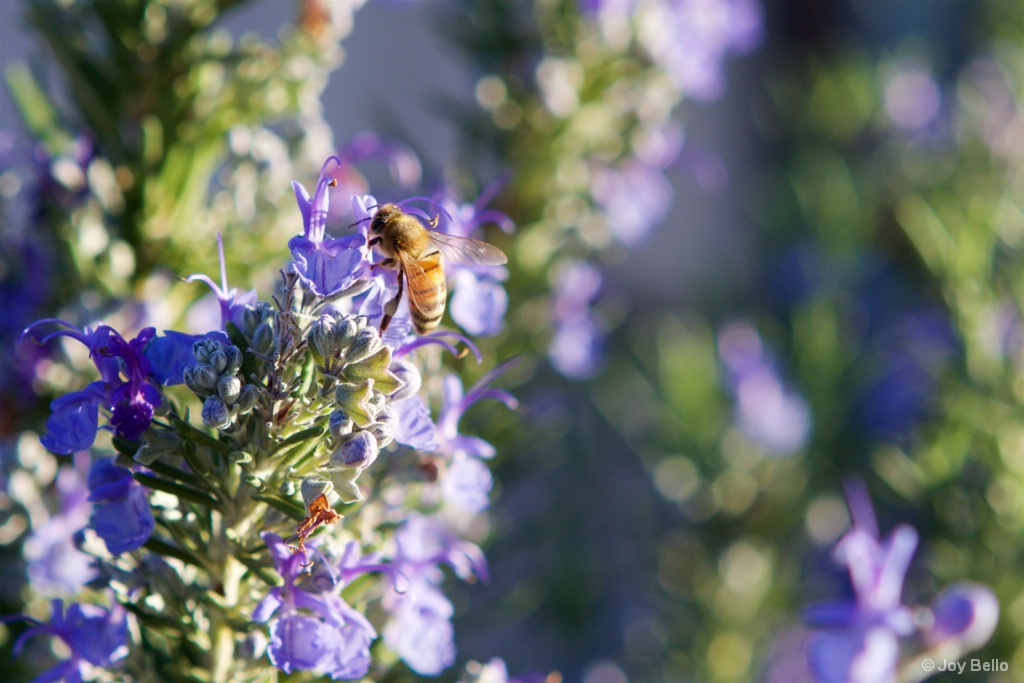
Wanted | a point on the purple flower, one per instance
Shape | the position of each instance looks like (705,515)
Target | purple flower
(326,265)
(121,514)
(314,630)
(634,196)
(415,428)
(964,617)
(420,629)
(55,564)
(454,405)
(74,422)
(768,412)
(467,483)
(577,348)
(479,301)
(688,39)
(859,640)
(94,635)
(232,302)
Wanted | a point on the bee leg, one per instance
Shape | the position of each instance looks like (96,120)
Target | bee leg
(391,307)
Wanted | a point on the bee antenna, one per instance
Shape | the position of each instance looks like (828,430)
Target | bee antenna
(361,220)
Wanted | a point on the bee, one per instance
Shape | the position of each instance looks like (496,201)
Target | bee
(417,254)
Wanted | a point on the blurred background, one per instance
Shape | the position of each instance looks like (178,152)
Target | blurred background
(760,247)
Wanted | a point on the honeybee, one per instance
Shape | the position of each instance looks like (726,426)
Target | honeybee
(417,254)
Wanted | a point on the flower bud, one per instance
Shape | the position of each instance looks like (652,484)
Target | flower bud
(360,450)
(263,337)
(340,424)
(346,332)
(389,415)
(312,489)
(203,348)
(287,488)
(376,401)
(234,356)
(204,376)
(251,318)
(409,374)
(366,343)
(229,388)
(219,360)
(247,398)
(322,335)
(191,383)
(215,414)
(382,432)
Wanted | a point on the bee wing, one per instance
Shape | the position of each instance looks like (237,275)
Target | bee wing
(466,250)
(426,293)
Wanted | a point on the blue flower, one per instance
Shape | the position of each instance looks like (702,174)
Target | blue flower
(326,265)
(121,514)
(131,402)
(94,635)
(74,420)
(313,630)
(171,353)
(859,639)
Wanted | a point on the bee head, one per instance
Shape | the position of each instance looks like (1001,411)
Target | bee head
(384,214)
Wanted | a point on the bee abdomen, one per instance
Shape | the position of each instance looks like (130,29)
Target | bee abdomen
(433,300)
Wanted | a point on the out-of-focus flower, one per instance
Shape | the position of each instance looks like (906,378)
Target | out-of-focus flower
(964,617)
(95,636)
(326,265)
(420,629)
(55,564)
(495,671)
(634,196)
(859,640)
(768,412)
(121,514)
(478,299)
(688,39)
(912,98)
(577,348)
(312,631)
